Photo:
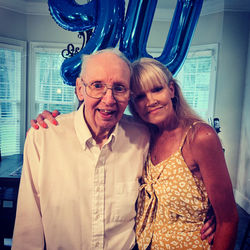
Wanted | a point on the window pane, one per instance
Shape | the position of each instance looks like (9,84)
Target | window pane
(51,92)
(194,79)
(10,89)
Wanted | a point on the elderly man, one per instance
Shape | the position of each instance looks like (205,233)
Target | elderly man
(79,183)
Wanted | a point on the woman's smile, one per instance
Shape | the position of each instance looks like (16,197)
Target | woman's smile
(154,110)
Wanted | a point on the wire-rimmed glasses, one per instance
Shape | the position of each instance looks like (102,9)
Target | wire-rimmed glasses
(98,90)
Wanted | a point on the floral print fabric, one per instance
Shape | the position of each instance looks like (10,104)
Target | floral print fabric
(172,206)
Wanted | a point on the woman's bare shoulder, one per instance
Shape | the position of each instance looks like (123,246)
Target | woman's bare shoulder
(205,137)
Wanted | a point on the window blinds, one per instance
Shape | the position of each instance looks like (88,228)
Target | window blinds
(50,91)
(10,96)
(195,80)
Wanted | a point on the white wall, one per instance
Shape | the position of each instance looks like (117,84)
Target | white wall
(229,29)
(44,28)
(231,84)
(39,28)
(243,178)
(12,24)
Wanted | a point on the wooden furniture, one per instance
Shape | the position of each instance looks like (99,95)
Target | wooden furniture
(10,172)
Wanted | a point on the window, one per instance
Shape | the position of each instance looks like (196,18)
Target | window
(48,91)
(197,78)
(12,95)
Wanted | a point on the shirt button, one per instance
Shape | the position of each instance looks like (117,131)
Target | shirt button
(97,189)
(97,244)
(97,217)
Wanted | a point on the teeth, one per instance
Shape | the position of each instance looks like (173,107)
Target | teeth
(107,111)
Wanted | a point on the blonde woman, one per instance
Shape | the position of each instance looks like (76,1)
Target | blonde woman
(185,172)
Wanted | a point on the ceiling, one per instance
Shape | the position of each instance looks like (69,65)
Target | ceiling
(168,4)
(40,7)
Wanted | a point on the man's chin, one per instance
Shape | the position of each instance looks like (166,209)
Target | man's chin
(106,125)
(107,122)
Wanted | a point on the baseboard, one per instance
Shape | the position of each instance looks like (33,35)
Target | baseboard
(242,201)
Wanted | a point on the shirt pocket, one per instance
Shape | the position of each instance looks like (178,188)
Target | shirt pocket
(125,199)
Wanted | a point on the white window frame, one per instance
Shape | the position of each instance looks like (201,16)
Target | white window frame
(20,45)
(32,71)
(155,52)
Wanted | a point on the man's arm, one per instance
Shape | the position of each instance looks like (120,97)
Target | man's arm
(28,230)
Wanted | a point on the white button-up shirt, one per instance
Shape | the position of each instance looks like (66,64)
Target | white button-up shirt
(74,195)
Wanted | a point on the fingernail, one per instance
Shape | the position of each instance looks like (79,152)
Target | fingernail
(54,114)
(55,122)
(44,125)
(36,126)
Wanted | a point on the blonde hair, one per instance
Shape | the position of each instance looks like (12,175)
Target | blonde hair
(149,73)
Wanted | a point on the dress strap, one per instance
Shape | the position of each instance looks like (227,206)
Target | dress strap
(186,133)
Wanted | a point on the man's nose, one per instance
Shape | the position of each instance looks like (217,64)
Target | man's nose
(108,97)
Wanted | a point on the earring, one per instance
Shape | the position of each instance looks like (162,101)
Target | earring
(174,99)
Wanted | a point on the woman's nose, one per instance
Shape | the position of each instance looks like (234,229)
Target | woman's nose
(150,99)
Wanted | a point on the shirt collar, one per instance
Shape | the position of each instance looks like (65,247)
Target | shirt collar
(84,135)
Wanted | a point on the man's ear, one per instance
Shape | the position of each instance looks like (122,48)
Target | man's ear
(79,90)
(172,89)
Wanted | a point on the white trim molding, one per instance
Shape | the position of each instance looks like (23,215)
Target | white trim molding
(32,7)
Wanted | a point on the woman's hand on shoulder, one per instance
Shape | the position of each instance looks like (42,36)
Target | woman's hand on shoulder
(39,121)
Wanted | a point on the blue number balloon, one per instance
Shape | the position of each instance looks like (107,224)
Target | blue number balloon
(137,26)
(72,16)
(106,17)
(182,28)
(108,27)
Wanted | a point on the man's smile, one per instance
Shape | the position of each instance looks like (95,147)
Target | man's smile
(106,112)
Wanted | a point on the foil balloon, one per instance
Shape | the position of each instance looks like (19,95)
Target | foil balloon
(107,21)
(182,28)
(106,17)
(137,27)
(71,16)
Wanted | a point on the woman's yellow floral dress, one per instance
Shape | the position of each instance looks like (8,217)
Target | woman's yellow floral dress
(172,206)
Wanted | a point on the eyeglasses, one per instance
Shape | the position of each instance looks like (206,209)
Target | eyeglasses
(98,90)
